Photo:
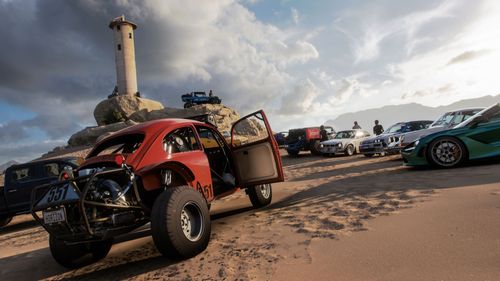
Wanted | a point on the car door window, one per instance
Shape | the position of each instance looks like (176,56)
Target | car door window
(50,169)
(180,140)
(250,130)
(22,174)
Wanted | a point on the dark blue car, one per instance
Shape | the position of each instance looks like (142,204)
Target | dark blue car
(195,98)
(388,142)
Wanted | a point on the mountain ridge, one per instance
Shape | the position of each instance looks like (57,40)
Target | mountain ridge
(391,114)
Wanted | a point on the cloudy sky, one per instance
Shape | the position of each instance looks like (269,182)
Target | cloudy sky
(302,61)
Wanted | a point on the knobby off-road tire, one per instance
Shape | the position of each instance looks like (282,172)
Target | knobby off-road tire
(260,195)
(5,221)
(180,223)
(349,150)
(315,148)
(78,255)
(446,152)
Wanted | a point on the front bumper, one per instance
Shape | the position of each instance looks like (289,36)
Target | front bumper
(372,148)
(331,149)
(414,157)
(82,222)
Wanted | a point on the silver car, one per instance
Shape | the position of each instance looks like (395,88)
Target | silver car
(346,142)
(447,121)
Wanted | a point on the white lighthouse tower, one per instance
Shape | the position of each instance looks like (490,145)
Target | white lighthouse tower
(126,75)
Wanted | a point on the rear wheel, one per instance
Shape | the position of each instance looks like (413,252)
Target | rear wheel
(5,221)
(349,150)
(260,195)
(180,223)
(315,147)
(446,152)
(78,255)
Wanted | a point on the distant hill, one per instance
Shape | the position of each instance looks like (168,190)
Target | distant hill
(4,166)
(392,114)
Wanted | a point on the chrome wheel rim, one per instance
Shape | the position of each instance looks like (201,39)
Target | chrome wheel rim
(446,153)
(265,190)
(350,150)
(191,221)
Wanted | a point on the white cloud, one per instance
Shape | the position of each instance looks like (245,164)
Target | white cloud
(295,15)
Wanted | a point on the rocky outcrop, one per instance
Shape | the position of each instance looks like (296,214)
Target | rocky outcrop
(223,115)
(91,135)
(122,107)
(224,119)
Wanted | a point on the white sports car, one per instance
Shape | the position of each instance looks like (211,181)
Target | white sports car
(346,142)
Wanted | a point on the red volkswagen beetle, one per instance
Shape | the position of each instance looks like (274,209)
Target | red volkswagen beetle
(165,172)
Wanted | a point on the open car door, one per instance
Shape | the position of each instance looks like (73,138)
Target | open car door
(255,152)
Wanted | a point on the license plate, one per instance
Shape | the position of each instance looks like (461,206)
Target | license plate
(50,217)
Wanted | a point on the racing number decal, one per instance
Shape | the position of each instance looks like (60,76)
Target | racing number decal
(206,190)
(57,193)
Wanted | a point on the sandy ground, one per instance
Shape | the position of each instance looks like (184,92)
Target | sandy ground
(340,218)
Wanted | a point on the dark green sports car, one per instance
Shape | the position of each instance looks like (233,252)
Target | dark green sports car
(476,138)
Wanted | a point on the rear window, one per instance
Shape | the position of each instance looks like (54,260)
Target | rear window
(125,144)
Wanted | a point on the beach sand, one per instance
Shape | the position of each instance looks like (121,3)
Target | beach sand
(338,218)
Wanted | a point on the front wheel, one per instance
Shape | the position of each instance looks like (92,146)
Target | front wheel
(349,150)
(5,221)
(188,105)
(180,223)
(78,255)
(446,152)
(260,195)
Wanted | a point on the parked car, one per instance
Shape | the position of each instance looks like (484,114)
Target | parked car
(305,139)
(21,179)
(447,121)
(166,172)
(346,142)
(476,138)
(281,138)
(195,98)
(389,141)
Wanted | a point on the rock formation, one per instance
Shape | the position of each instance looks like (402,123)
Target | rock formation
(121,107)
(224,117)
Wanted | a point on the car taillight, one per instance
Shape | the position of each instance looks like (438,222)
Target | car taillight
(119,160)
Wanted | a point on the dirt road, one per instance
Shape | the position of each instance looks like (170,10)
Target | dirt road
(341,218)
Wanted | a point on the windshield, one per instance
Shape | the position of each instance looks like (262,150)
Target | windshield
(120,145)
(450,119)
(345,135)
(394,128)
(492,113)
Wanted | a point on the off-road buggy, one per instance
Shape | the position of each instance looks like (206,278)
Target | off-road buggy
(165,172)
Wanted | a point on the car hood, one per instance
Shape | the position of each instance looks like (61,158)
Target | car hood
(414,135)
(383,137)
(335,141)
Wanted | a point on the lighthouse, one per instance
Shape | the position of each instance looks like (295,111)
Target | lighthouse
(126,75)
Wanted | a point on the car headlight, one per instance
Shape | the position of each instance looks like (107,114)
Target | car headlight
(321,145)
(339,144)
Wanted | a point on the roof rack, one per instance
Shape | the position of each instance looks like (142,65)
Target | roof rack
(205,118)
